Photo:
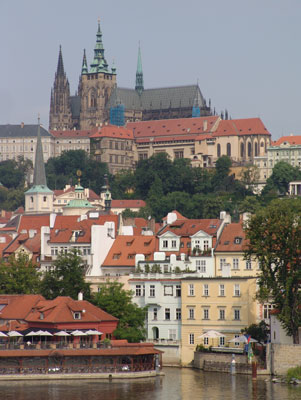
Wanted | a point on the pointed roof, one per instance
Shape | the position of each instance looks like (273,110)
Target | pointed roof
(99,63)
(84,66)
(60,64)
(39,177)
(139,87)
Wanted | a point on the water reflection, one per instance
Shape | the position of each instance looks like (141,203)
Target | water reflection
(177,384)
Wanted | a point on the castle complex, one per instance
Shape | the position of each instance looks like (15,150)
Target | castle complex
(100,100)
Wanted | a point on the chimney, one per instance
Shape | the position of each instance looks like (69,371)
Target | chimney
(32,233)
(205,125)
(80,296)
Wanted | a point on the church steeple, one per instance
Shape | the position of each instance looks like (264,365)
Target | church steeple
(39,177)
(84,66)
(139,87)
(60,64)
(39,198)
(99,63)
(60,111)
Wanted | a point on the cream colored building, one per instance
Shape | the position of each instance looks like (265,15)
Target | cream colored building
(65,140)
(223,304)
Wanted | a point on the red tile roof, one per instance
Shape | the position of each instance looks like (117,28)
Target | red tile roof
(35,222)
(17,307)
(190,227)
(65,225)
(241,127)
(61,310)
(91,194)
(179,215)
(31,244)
(73,133)
(5,240)
(292,140)
(170,127)
(125,248)
(113,131)
(127,203)
(232,238)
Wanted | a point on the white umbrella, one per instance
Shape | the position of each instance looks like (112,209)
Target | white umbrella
(93,332)
(46,333)
(78,333)
(32,333)
(242,339)
(211,334)
(14,334)
(2,334)
(62,333)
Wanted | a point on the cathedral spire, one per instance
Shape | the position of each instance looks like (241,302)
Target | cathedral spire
(99,63)
(84,66)
(139,87)
(39,177)
(60,64)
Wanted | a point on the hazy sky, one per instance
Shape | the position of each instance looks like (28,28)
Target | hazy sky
(245,54)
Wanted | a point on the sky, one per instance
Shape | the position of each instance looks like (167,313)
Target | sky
(244,54)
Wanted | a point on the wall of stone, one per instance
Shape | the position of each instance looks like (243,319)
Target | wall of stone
(281,357)
(171,354)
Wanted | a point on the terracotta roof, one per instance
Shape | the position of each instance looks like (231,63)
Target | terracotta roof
(125,248)
(170,127)
(114,351)
(31,244)
(65,225)
(292,140)
(232,238)
(179,215)
(18,306)
(73,133)
(127,203)
(189,227)
(241,127)
(61,309)
(91,194)
(113,131)
(5,240)
(35,222)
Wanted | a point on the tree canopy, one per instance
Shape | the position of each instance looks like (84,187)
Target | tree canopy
(66,278)
(19,276)
(62,170)
(113,299)
(274,235)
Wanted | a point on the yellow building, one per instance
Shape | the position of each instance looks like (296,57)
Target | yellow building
(230,253)
(223,304)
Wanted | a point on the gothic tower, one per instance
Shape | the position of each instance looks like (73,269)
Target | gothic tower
(139,87)
(60,111)
(39,198)
(95,87)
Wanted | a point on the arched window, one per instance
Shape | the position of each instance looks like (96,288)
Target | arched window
(256,149)
(218,150)
(229,149)
(242,150)
(249,149)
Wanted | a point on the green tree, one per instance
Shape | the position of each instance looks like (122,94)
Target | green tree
(66,278)
(283,173)
(11,175)
(259,332)
(274,235)
(113,299)
(19,276)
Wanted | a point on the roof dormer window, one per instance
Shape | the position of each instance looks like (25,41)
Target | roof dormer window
(238,240)
(77,315)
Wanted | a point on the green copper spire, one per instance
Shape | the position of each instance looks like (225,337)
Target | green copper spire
(139,87)
(84,66)
(99,63)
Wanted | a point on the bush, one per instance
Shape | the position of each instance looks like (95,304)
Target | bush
(202,348)
(293,373)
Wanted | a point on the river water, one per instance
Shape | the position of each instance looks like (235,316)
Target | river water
(186,384)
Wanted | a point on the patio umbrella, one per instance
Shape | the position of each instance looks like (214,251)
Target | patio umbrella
(93,332)
(32,334)
(62,333)
(78,333)
(242,339)
(2,334)
(14,334)
(211,334)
